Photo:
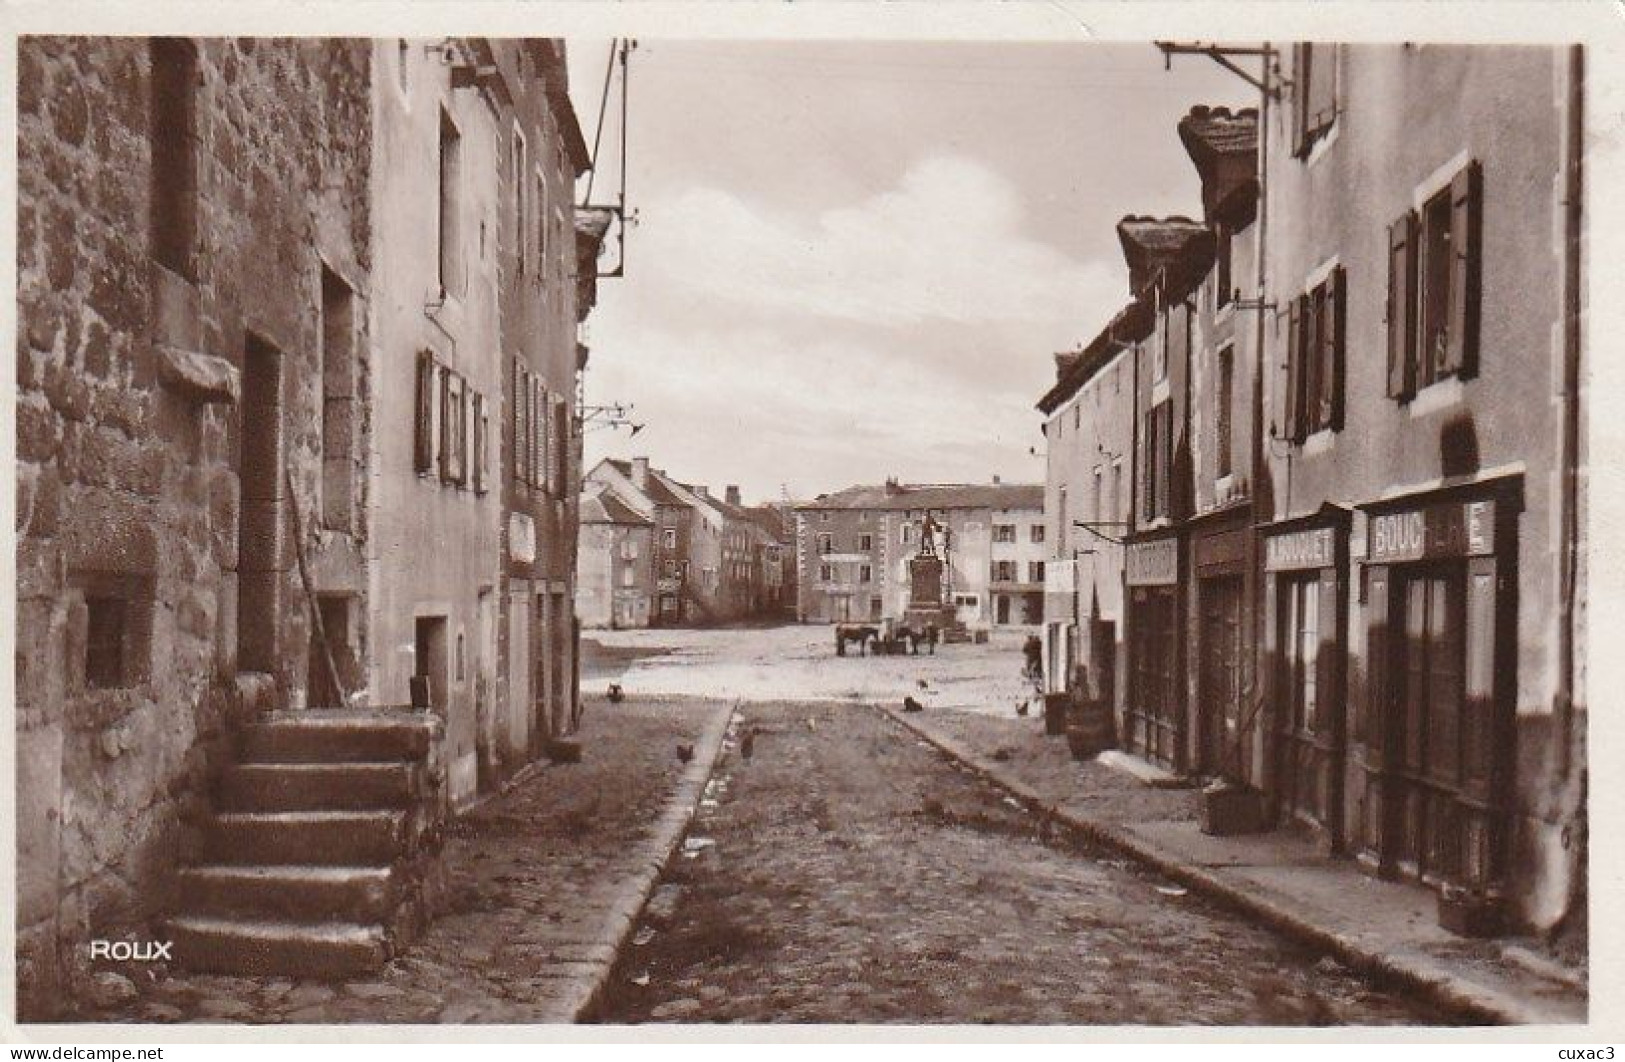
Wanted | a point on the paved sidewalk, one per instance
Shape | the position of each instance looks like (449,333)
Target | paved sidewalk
(1383,927)
(547,880)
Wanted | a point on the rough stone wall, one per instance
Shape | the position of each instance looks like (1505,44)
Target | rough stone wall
(127,468)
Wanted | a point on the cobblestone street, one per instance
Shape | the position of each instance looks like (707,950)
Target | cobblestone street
(846,872)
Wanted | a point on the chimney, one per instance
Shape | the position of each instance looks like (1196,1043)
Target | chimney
(733,495)
(640,473)
(891,486)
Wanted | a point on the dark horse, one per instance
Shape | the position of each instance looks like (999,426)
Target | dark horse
(862,633)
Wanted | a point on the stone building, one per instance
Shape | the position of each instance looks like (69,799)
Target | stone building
(615,572)
(222,491)
(1354,573)
(644,490)
(853,549)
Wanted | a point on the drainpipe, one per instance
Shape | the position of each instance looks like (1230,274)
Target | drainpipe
(1575,831)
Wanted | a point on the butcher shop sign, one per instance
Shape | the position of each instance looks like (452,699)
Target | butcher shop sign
(1457,530)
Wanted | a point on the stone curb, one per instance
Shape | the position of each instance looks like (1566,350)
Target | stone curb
(1431,979)
(582,998)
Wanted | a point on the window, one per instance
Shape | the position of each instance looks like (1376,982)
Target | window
(1004,532)
(826,573)
(453,427)
(1037,532)
(1223,289)
(1221,421)
(906,534)
(104,642)
(338,404)
(519,168)
(866,543)
(543,214)
(1063,529)
(1314,387)
(1035,571)
(1314,93)
(403,51)
(826,543)
(1004,571)
(559,468)
(1434,264)
(1119,510)
(1096,510)
(866,574)
(670,537)
(172,133)
(450,180)
(1159,449)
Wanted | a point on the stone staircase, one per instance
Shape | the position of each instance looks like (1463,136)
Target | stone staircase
(322,855)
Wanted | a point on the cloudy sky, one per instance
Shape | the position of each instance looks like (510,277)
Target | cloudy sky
(854,260)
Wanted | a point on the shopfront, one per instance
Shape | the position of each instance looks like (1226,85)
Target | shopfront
(1305,648)
(1441,610)
(1155,716)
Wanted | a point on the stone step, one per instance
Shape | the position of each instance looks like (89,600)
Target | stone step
(321,838)
(339,736)
(317,786)
(328,950)
(294,893)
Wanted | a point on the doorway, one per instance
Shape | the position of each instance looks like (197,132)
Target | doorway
(324,687)
(1219,705)
(429,658)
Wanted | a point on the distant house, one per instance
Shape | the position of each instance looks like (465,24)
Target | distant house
(615,568)
(853,547)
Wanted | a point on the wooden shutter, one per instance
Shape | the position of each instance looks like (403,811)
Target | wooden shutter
(1294,370)
(1339,337)
(479,429)
(423,426)
(561,444)
(520,422)
(1461,346)
(1402,307)
(1300,98)
(444,434)
(538,433)
(1374,731)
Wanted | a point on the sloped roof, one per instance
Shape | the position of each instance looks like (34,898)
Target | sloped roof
(933,496)
(769,519)
(605,508)
(657,492)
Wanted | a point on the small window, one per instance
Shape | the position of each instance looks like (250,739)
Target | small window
(1222,283)
(1004,532)
(1038,531)
(104,642)
(1314,93)
(1221,421)
(826,543)
(1035,571)
(866,543)
(826,573)
(866,574)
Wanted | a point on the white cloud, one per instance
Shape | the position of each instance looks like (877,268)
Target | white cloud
(945,245)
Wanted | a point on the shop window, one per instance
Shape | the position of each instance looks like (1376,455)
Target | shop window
(172,135)
(1314,93)
(1434,269)
(1315,358)
(1302,652)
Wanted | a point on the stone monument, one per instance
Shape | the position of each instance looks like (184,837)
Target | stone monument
(926,607)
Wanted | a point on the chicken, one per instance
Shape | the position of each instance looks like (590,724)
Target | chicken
(1021,707)
(747,744)
(924,685)
(912,705)
(615,694)
(685,752)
